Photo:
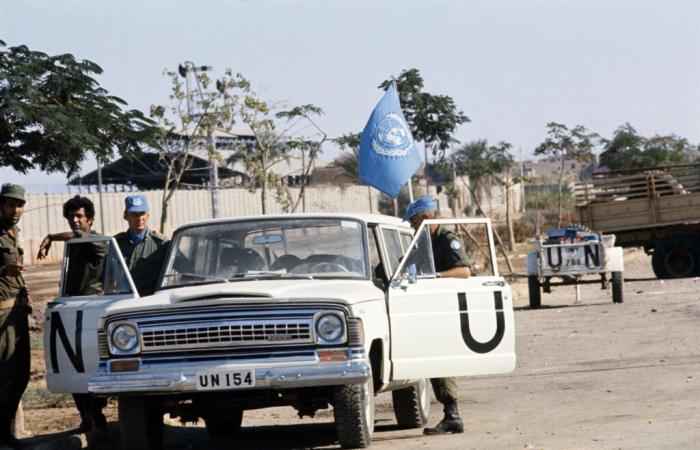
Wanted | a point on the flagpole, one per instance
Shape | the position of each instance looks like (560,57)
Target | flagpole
(410,189)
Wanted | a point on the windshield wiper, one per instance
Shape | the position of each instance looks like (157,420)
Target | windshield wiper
(198,275)
(269,274)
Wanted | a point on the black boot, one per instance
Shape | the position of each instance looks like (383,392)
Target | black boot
(451,423)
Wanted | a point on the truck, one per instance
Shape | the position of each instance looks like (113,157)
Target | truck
(571,255)
(310,311)
(656,208)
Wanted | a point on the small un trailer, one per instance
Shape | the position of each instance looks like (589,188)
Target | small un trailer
(570,254)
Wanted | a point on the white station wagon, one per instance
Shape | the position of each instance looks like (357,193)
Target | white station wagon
(304,310)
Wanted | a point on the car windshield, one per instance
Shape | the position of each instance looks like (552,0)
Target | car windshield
(275,248)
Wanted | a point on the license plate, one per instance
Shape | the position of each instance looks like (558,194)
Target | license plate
(212,380)
(580,257)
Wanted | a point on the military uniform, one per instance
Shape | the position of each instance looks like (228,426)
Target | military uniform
(448,252)
(14,330)
(86,267)
(144,259)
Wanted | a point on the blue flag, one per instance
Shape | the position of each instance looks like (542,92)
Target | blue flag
(388,154)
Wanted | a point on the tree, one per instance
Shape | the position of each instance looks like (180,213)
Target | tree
(628,150)
(432,118)
(480,162)
(564,144)
(53,113)
(180,132)
(278,137)
(349,160)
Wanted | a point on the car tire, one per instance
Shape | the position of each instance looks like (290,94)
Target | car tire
(618,287)
(223,423)
(412,405)
(353,409)
(533,287)
(140,423)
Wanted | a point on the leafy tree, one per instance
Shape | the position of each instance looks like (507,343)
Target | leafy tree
(279,137)
(564,144)
(628,150)
(432,118)
(482,163)
(53,113)
(180,132)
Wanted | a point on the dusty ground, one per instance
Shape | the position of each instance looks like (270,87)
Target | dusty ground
(589,376)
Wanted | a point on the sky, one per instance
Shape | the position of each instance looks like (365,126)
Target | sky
(511,66)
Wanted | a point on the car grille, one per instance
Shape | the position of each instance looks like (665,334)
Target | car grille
(228,333)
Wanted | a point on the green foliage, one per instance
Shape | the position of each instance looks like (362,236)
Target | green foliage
(628,150)
(349,160)
(562,143)
(279,134)
(432,118)
(38,398)
(53,112)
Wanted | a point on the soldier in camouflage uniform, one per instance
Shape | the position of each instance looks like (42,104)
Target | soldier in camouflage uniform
(450,261)
(14,307)
(142,248)
(84,278)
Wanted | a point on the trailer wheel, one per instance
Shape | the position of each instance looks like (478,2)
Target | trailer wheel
(533,286)
(618,285)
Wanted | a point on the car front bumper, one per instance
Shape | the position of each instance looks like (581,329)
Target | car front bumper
(181,377)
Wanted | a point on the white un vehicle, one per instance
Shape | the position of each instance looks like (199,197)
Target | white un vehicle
(571,253)
(309,311)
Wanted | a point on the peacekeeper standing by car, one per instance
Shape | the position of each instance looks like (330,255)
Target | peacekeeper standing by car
(450,261)
(14,307)
(83,279)
(142,248)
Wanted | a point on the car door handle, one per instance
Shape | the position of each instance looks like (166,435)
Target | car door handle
(494,283)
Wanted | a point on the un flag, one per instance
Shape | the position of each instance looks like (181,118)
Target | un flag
(388,154)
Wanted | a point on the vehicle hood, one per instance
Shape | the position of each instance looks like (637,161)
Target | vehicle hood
(254,291)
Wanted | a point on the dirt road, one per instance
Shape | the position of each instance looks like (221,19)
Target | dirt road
(589,376)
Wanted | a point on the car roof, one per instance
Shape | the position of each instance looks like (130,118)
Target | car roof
(362,217)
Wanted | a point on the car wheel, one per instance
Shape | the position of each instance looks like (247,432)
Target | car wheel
(353,408)
(223,423)
(533,286)
(412,405)
(140,423)
(618,285)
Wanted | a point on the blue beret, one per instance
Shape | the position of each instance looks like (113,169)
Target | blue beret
(135,203)
(423,204)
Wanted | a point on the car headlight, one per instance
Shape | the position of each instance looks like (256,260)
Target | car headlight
(330,328)
(124,338)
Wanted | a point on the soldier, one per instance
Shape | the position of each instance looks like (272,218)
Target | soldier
(14,307)
(85,278)
(450,261)
(142,248)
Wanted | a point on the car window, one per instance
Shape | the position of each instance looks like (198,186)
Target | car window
(231,251)
(394,251)
(93,268)
(419,260)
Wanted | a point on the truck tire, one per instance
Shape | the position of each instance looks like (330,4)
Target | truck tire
(140,423)
(412,405)
(223,423)
(618,285)
(679,257)
(657,264)
(353,409)
(533,287)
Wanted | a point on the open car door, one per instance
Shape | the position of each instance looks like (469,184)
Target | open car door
(93,274)
(443,326)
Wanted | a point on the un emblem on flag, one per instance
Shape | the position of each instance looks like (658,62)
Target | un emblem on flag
(392,137)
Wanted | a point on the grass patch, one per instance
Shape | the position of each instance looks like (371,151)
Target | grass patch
(41,398)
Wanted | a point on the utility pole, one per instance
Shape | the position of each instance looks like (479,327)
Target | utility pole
(522,181)
(185,70)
